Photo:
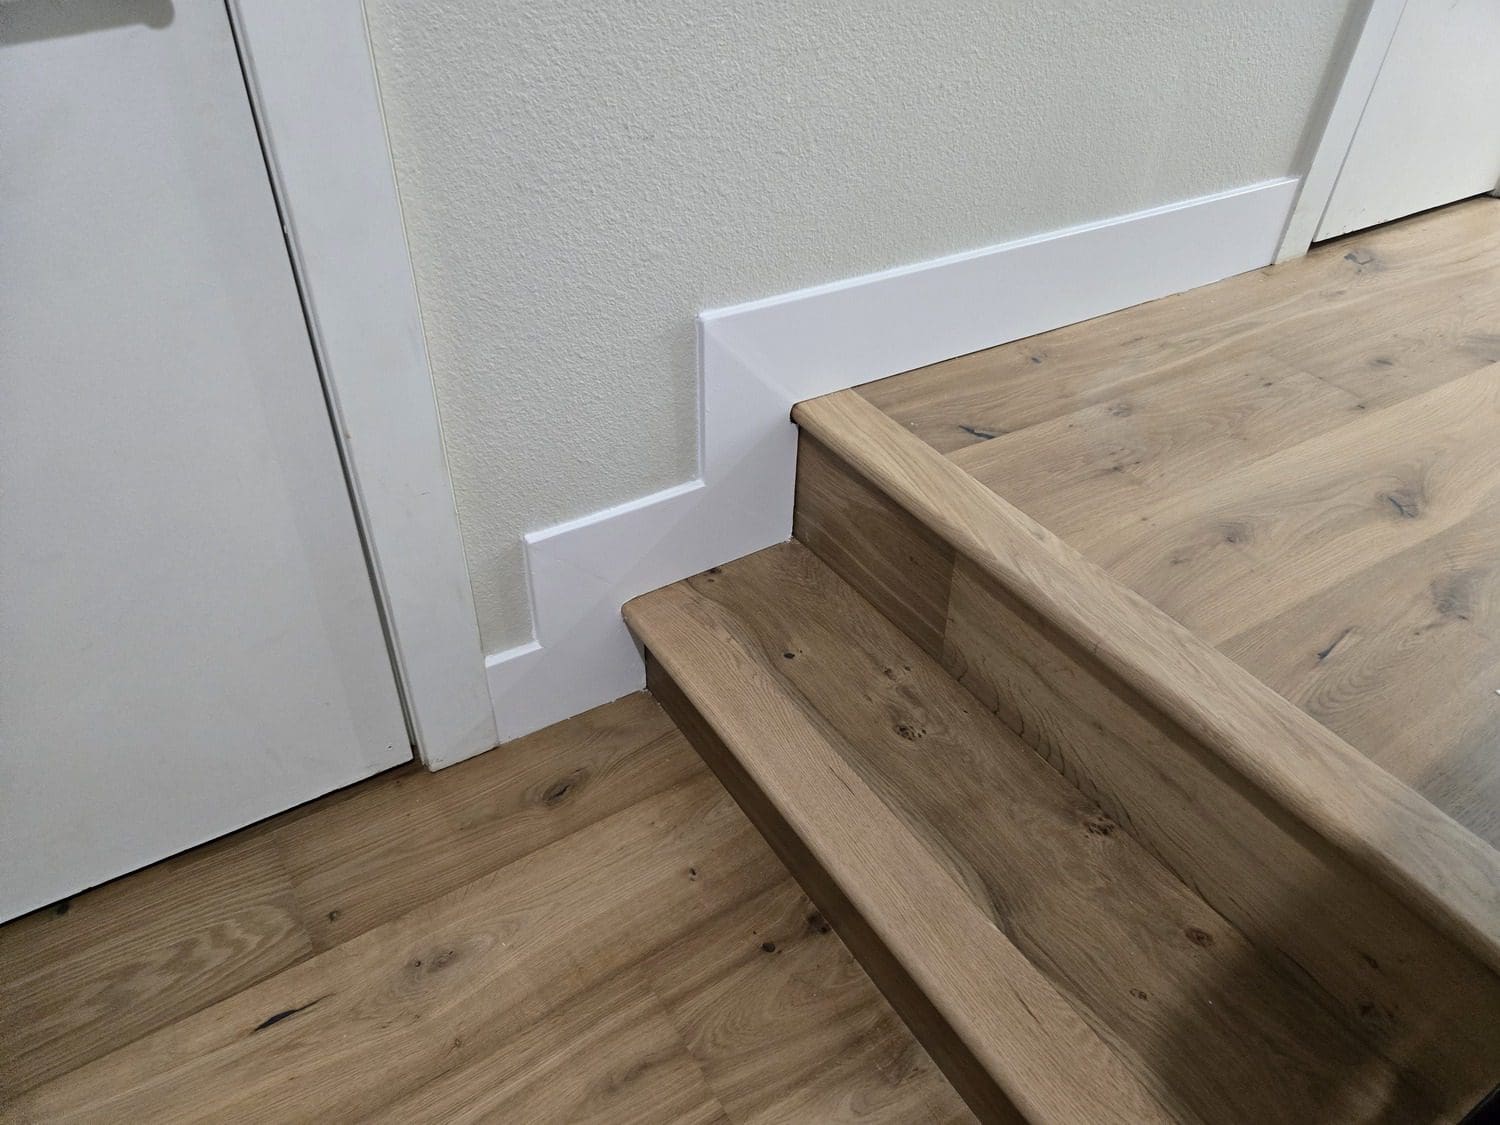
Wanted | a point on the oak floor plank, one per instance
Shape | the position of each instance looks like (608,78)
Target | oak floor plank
(384,849)
(595,901)
(1466,781)
(610,1055)
(373,1019)
(1322,534)
(1255,541)
(106,967)
(785,1025)
(1400,659)
(1117,455)
(134,955)
(1414,338)
(1161,976)
(1350,296)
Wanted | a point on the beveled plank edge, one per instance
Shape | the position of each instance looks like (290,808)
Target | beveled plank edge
(1446,873)
(1016,1045)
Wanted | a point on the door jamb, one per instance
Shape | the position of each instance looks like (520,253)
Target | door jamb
(312,83)
(1365,60)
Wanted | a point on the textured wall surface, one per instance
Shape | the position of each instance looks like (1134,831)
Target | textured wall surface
(580,178)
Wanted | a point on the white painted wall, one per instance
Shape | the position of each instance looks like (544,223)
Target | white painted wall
(579,179)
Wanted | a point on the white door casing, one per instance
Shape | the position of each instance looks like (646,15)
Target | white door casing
(1414,123)
(312,80)
(1430,133)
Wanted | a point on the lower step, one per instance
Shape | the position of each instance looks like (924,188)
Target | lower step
(1053,967)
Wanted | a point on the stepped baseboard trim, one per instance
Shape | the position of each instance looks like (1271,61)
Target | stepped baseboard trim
(758,359)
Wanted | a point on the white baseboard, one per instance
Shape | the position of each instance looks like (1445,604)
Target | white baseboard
(756,360)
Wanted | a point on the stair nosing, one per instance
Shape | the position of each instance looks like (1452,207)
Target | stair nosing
(1442,870)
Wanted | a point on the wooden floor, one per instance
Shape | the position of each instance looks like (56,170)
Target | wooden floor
(1301,465)
(579,927)
(1129,981)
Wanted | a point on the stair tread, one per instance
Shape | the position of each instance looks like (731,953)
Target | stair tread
(1168,1010)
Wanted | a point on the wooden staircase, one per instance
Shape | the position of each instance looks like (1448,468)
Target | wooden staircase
(1102,872)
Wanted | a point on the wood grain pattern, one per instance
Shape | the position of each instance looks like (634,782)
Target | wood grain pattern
(375,1018)
(1114,456)
(1403,664)
(1384,828)
(1304,445)
(1172,986)
(581,975)
(1009,1023)
(1382,314)
(139,953)
(1253,541)
(772,970)
(893,976)
(895,562)
(371,857)
(1402,986)
(609,1055)
(106,967)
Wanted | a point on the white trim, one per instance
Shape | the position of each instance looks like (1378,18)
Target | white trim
(1348,107)
(312,81)
(756,360)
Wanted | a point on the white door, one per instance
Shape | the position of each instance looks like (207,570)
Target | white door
(189,639)
(1430,133)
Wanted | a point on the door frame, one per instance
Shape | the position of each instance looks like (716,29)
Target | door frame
(1366,56)
(312,84)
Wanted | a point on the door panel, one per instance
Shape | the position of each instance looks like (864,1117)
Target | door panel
(1430,133)
(189,639)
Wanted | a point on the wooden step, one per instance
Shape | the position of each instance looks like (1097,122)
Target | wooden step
(1052,965)
(1330,865)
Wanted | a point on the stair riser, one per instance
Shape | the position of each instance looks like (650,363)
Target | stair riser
(1416,995)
